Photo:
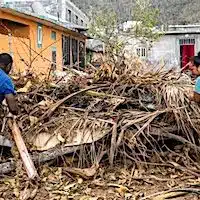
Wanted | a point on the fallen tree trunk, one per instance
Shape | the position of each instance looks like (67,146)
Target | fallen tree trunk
(39,158)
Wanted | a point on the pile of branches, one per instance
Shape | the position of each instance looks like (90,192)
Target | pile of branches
(129,110)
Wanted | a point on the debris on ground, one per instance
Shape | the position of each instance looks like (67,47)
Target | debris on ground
(130,114)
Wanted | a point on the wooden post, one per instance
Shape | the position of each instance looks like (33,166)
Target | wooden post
(28,163)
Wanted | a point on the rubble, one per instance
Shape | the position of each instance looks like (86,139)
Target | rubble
(130,110)
(130,113)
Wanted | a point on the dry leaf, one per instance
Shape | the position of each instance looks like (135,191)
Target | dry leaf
(69,186)
(88,198)
(45,103)
(16,192)
(136,174)
(85,173)
(128,196)
(64,198)
(122,190)
(45,141)
(80,181)
(60,138)
(33,193)
(10,181)
(33,120)
(26,88)
(25,194)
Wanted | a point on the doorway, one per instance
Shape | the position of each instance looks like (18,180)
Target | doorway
(187,50)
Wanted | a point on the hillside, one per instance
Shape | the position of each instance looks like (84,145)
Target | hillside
(171,12)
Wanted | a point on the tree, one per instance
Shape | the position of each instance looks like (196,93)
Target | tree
(171,11)
(105,27)
(146,18)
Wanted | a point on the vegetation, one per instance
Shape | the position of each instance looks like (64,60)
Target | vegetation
(171,12)
(106,27)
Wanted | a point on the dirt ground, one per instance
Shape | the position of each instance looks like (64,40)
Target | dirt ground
(117,183)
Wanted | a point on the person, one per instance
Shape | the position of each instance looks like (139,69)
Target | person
(7,90)
(195,66)
(189,65)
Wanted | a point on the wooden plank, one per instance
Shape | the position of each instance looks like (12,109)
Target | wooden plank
(27,161)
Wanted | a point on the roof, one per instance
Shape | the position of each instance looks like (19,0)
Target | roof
(184,26)
(182,29)
(45,21)
(181,32)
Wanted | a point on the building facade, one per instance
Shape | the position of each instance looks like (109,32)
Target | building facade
(39,45)
(60,10)
(177,44)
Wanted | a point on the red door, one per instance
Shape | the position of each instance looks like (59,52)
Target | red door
(187,51)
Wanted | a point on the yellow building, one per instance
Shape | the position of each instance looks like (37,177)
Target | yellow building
(38,44)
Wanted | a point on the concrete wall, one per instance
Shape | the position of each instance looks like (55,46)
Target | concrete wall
(164,51)
(167,49)
(65,5)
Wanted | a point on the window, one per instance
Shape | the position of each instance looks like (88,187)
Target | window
(186,41)
(81,22)
(82,53)
(74,51)
(141,52)
(66,50)
(39,36)
(53,35)
(53,58)
(76,19)
(70,15)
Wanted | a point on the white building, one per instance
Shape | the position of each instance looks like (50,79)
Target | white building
(176,45)
(59,10)
(174,48)
(133,45)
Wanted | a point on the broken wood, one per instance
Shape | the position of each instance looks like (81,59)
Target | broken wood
(28,163)
(113,144)
(59,103)
(172,193)
(39,158)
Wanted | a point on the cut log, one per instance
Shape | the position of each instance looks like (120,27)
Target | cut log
(28,163)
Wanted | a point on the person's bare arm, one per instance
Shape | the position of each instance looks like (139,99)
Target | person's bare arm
(195,97)
(12,104)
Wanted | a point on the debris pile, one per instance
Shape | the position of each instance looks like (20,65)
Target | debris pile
(128,111)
